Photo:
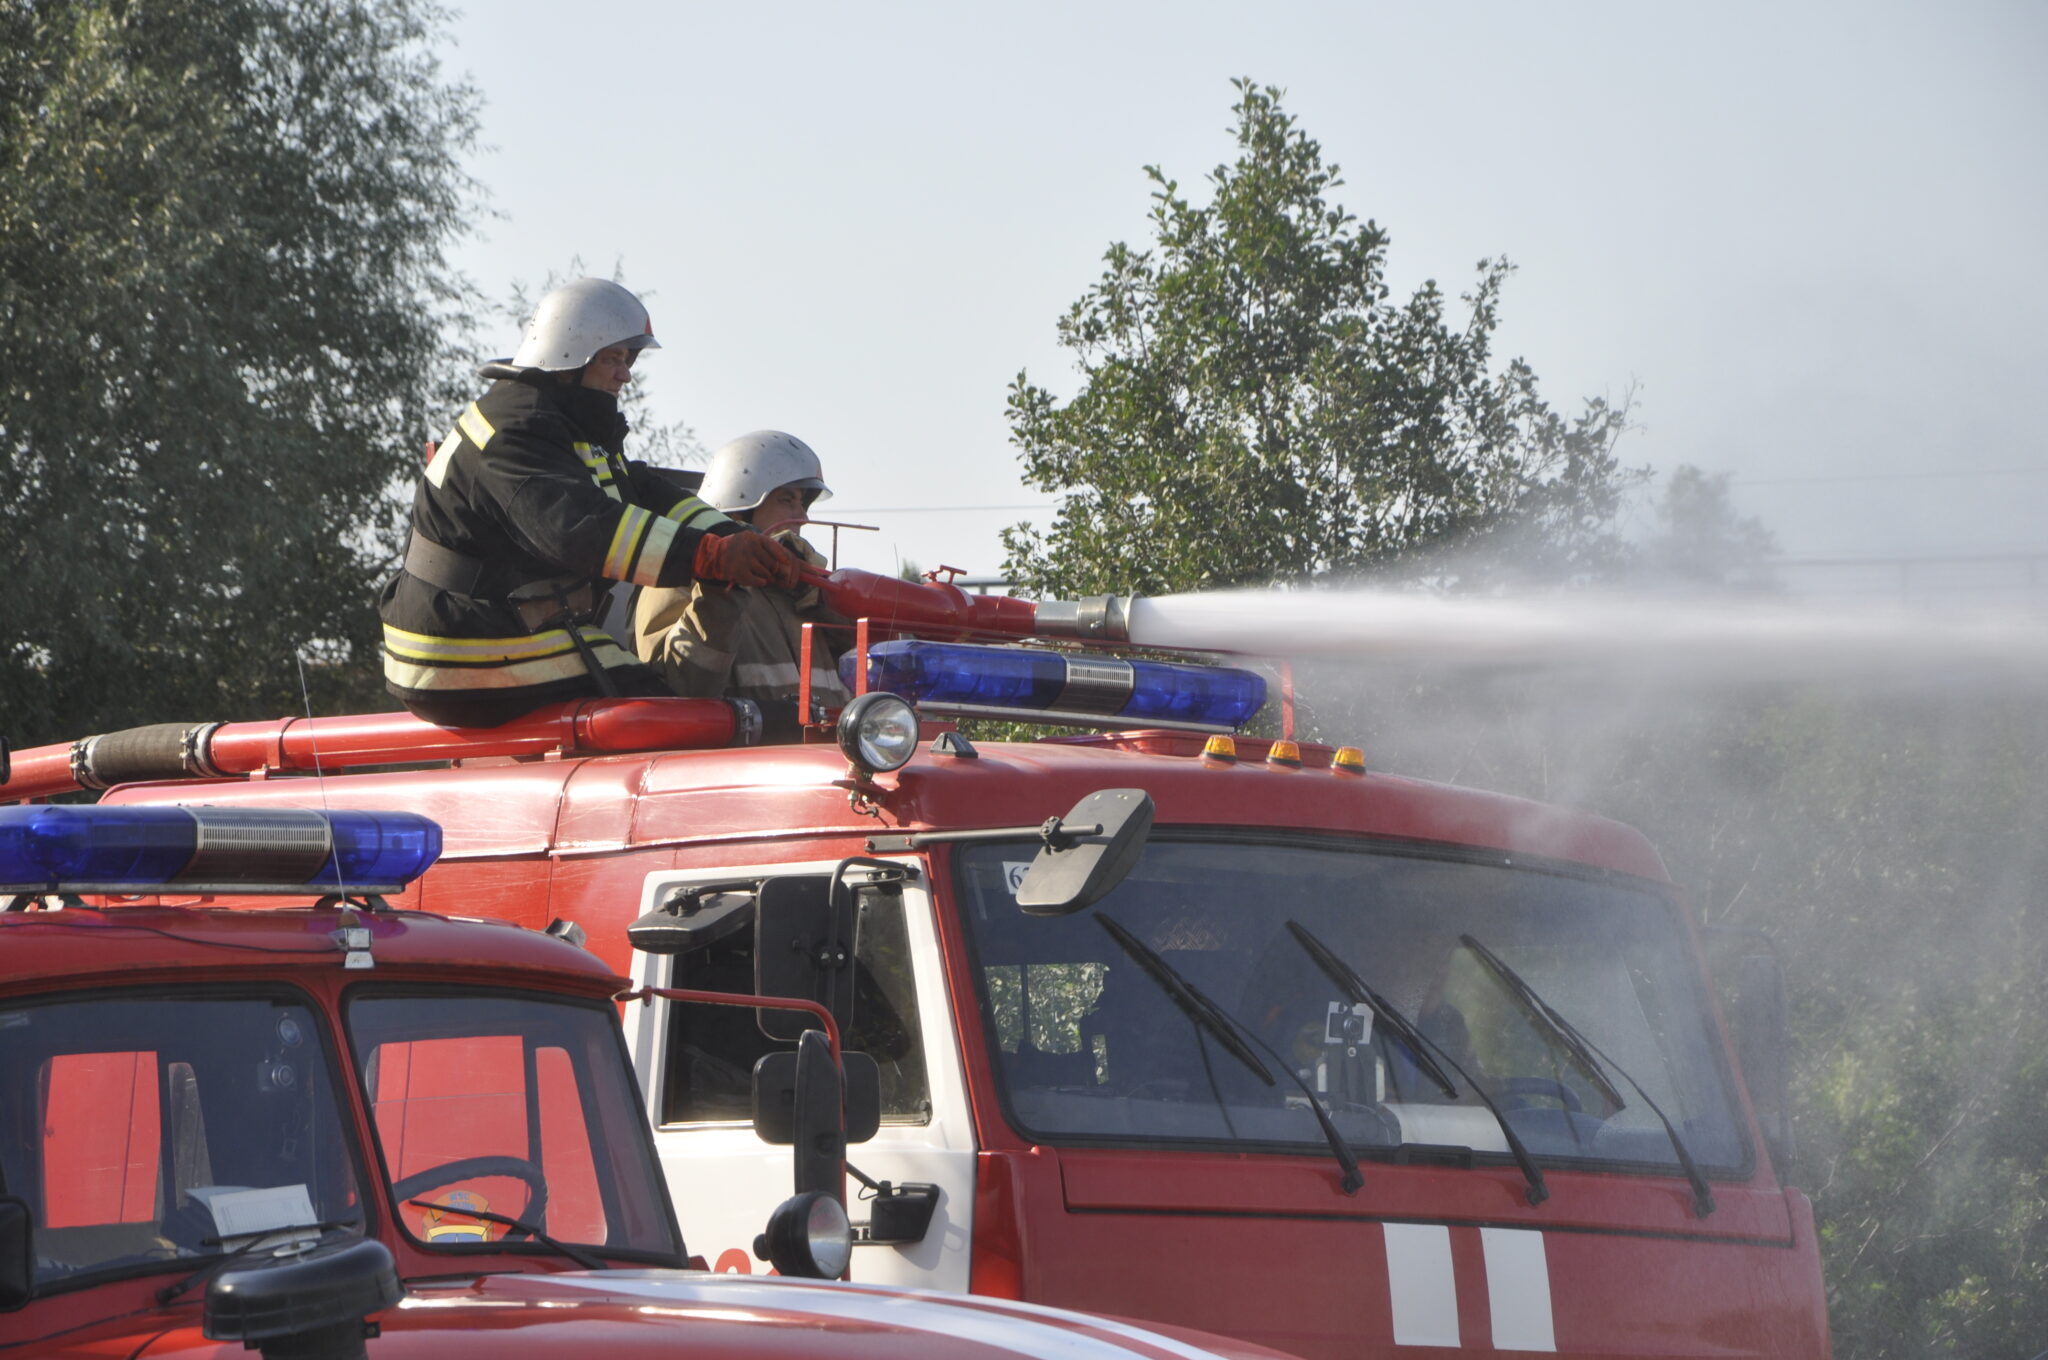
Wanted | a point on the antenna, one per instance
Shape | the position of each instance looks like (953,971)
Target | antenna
(313,739)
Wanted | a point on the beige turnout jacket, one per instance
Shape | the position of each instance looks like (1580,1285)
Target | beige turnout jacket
(711,641)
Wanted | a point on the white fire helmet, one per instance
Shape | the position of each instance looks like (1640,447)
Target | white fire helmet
(743,471)
(577,320)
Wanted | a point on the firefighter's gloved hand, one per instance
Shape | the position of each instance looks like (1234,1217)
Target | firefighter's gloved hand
(745,559)
(806,594)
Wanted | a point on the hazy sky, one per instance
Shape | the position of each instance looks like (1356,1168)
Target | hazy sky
(1810,237)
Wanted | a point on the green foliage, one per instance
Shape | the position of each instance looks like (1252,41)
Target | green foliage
(223,297)
(1257,411)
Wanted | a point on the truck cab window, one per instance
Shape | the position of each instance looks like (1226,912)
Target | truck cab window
(132,1125)
(511,1104)
(708,1070)
(1087,1046)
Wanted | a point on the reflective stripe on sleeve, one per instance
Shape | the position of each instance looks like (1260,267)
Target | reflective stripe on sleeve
(618,559)
(661,537)
(694,514)
(473,424)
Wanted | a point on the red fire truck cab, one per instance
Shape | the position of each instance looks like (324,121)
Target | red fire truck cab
(342,1129)
(1230,1034)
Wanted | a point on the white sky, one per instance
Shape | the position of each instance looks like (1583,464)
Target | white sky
(1812,237)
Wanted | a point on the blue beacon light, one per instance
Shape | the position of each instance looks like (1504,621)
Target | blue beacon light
(1061,686)
(137,849)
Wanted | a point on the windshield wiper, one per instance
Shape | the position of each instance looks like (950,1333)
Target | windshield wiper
(220,1263)
(1415,1041)
(1352,985)
(1229,1032)
(1540,1011)
(588,1260)
(1589,1057)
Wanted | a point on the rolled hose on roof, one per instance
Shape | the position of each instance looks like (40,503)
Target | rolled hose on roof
(215,750)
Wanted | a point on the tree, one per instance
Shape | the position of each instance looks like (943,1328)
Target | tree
(1257,411)
(1702,540)
(223,303)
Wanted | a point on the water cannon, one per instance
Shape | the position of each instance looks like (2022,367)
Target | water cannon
(889,603)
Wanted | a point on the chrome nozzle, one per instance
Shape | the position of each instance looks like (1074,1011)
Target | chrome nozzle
(1099,618)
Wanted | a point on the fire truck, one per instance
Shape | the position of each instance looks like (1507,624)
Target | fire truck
(1160,1020)
(337,1128)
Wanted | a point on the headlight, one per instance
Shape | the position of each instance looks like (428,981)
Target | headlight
(808,1237)
(878,733)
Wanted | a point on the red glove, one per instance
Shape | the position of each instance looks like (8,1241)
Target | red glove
(745,559)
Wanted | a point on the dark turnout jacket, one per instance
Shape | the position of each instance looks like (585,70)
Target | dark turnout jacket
(526,507)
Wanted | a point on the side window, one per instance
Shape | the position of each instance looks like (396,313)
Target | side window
(711,1051)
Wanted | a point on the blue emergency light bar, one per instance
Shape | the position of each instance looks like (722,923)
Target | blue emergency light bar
(136,849)
(1036,684)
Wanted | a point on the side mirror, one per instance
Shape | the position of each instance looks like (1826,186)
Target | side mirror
(818,1145)
(690,919)
(17,1254)
(1088,853)
(775,1097)
(802,948)
(1752,986)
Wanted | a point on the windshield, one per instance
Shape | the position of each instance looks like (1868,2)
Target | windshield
(146,1131)
(1091,1049)
(519,1106)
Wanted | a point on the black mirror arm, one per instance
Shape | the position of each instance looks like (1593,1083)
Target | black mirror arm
(1053,832)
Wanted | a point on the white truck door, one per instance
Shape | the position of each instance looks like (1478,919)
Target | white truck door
(695,1067)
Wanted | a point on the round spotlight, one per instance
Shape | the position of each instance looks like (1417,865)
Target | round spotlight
(808,1237)
(878,732)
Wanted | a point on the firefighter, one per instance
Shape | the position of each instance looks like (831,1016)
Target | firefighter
(710,640)
(526,508)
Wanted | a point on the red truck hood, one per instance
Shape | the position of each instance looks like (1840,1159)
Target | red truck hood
(624,1313)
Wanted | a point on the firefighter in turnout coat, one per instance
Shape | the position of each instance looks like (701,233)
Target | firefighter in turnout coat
(709,641)
(527,509)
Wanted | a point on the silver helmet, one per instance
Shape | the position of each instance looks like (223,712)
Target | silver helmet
(743,471)
(577,320)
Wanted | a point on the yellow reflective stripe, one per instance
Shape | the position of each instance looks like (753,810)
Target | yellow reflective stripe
(633,523)
(425,647)
(417,671)
(694,514)
(472,423)
(661,536)
(515,675)
(599,467)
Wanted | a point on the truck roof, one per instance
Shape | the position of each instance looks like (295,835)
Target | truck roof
(74,945)
(592,805)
